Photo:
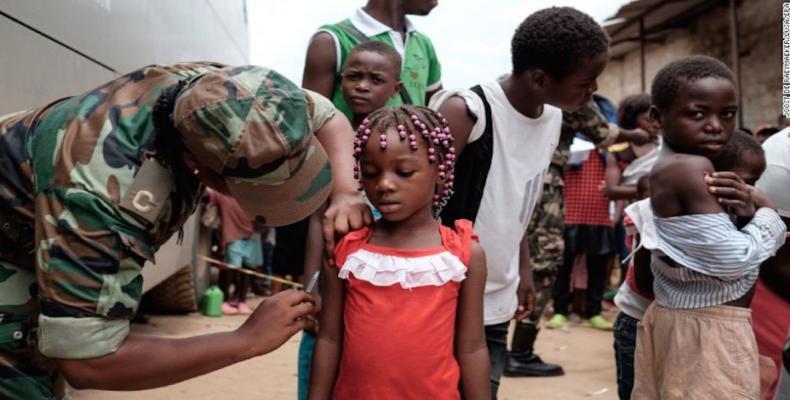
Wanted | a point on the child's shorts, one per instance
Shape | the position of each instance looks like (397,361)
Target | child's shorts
(244,252)
(705,353)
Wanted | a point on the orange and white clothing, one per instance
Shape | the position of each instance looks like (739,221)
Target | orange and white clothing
(399,316)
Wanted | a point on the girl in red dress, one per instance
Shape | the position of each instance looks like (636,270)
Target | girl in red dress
(402,313)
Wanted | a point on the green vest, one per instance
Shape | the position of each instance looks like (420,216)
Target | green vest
(421,67)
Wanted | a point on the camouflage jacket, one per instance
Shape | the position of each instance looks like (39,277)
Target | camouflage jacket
(64,168)
(589,122)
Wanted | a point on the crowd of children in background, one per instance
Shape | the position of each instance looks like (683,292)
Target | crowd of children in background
(409,310)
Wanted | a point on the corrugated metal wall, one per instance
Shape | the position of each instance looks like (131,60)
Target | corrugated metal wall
(55,48)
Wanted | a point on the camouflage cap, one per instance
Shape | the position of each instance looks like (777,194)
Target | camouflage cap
(253,126)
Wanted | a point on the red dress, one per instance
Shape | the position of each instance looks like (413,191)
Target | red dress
(399,317)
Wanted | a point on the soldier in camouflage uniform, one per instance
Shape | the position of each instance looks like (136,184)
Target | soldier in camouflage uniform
(545,230)
(92,185)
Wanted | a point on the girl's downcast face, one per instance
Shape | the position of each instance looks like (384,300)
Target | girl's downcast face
(399,181)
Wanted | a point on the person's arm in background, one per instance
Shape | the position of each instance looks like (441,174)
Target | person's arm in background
(329,344)
(612,187)
(636,135)
(643,276)
(594,126)
(320,67)
(470,344)
(434,81)
(526,284)
(459,120)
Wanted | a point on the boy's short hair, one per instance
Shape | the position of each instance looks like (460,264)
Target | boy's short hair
(630,108)
(689,69)
(377,47)
(553,39)
(740,144)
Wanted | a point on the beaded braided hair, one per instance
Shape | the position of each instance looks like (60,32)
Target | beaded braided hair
(413,122)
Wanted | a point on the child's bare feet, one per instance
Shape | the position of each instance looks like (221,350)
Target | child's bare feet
(244,309)
(229,309)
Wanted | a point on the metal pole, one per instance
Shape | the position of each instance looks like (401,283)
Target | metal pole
(642,51)
(736,60)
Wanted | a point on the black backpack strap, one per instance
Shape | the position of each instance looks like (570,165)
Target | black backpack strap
(471,171)
(489,128)
(404,95)
(352,30)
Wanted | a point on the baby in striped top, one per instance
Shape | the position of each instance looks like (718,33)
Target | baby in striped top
(696,340)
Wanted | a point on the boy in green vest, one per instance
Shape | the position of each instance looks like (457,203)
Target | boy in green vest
(383,21)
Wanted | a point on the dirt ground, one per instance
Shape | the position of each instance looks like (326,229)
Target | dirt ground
(585,353)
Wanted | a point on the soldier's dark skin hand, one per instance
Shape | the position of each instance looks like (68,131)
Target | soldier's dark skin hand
(146,362)
(636,136)
(277,318)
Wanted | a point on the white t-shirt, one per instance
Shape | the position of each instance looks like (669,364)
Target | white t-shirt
(773,183)
(522,151)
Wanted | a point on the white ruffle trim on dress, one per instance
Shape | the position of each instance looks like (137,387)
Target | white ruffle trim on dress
(409,272)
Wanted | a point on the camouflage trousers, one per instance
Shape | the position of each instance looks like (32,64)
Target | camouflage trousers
(546,244)
(24,373)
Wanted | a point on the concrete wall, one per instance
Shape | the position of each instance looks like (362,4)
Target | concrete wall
(121,34)
(759,23)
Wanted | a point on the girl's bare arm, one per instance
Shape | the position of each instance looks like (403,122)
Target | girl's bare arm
(329,345)
(470,344)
